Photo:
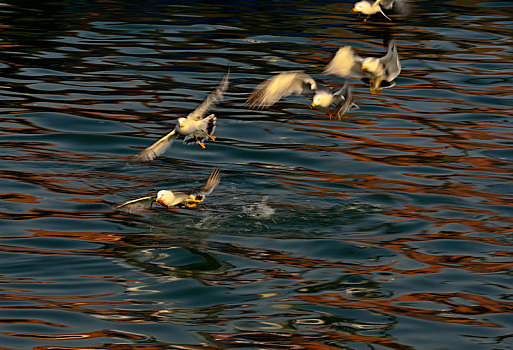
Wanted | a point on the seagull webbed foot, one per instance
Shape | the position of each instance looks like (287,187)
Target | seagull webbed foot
(212,137)
(199,142)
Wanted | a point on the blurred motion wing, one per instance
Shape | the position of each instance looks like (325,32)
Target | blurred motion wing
(137,204)
(345,63)
(273,89)
(391,62)
(155,150)
(211,183)
(400,6)
(214,97)
(347,98)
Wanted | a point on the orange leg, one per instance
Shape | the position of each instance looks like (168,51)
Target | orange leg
(213,138)
(199,142)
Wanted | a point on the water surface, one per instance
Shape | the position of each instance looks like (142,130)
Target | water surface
(389,229)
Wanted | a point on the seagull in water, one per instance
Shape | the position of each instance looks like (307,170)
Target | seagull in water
(370,7)
(378,72)
(299,83)
(196,128)
(169,199)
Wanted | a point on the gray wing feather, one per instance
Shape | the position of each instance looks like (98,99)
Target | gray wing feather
(347,98)
(214,97)
(388,4)
(400,6)
(273,89)
(391,62)
(211,183)
(213,180)
(156,149)
(345,63)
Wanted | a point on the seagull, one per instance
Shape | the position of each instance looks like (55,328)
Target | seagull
(370,7)
(195,127)
(342,99)
(299,83)
(379,72)
(169,199)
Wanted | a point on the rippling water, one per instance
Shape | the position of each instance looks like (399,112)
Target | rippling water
(392,228)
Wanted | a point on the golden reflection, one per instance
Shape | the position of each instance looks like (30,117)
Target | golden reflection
(18,197)
(89,236)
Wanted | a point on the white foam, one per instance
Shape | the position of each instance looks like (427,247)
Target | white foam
(260,210)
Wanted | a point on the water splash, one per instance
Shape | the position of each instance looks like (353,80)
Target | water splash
(259,210)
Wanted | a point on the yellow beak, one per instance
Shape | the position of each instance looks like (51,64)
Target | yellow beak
(354,10)
(313,105)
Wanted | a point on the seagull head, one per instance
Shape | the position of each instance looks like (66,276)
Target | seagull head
(322,98)
(165,197)
(371,64)
(181,122)
(362,6)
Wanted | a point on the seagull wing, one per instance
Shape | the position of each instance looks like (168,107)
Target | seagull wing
(388,4)
(346,101)
(400,6)
(390,62)
(211,183)
(155,150)
(273,89)
(137,204)
(214,97)
(345,63)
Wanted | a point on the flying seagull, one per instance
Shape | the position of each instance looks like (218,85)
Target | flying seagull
(169,199)
(370,7)
(376,70)
(299,83)
(196,128)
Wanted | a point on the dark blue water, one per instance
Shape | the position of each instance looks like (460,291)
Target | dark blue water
(389,229)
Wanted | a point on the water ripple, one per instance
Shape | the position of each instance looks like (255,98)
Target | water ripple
(388,229)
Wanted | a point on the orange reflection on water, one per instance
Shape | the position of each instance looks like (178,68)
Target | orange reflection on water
(89,236)
(452,314)
(18,197)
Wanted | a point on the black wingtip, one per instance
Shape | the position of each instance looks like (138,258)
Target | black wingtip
(211,126)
